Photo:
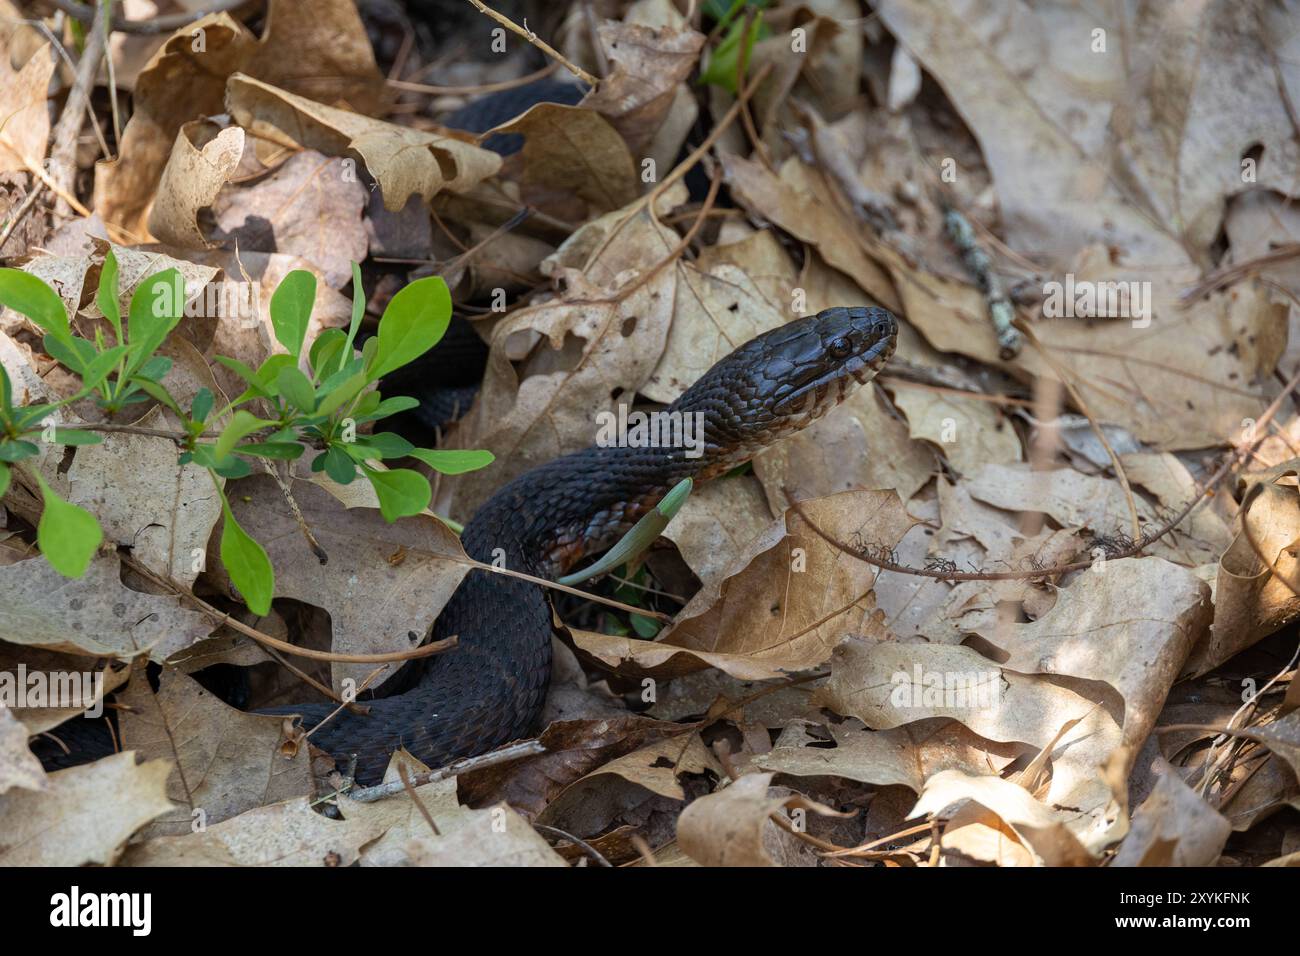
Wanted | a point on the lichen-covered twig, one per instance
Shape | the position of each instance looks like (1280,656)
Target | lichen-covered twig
(525,748)
(977,262)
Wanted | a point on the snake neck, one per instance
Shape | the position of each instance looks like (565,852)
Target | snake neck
(546,520)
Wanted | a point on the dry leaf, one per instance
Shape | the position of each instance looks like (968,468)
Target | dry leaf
(309,207)
(891,684)
(24,118)
(18,766)
(282,834)
(201,162)
(375,605)
(902,756)
(144,500)
(647,64)
(405,161)
(732,827)
(224,762)
(1173,814)
(85,813)
(319,50)
(572,151)
(95,614)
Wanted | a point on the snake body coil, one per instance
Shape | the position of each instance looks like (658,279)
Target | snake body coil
(490,688)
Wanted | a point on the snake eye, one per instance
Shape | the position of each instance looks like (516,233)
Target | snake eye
(841,347)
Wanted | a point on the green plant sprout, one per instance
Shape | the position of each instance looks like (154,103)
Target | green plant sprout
(723,67)
(318,410)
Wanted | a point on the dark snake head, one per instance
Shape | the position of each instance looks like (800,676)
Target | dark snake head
(818,361)
(786,378)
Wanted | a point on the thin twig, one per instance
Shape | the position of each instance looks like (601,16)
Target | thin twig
(583,845)
(301,521)
(1233,273)
(404,772)
(105,10)
(868,847)
(112,427)
(622,294)
(742,69)
(28,202)
(524,748)
(313,683)
(63,151)
(593,28)
(536,41)
(412,86)
(365,683)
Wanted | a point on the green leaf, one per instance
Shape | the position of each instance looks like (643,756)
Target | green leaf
(723,68)
(366,404)
(232,466)
(67,535)
(387,407)
(75,436)
(27,415)
(241,423)
(414,322)
(246,563)
(74,353)
(358,309)
(289,433)
(6,392)
(33,298)
(324,350)
(342,394)
(240,369)
(338,465)
(389,445)
(201,407)
(401,492)
(260,383)
(645,627)
(270,370)
(106,295)
(154,369)
(156,308)
(347,373)
(156,391)
(452,461)
(296,387)
(291,305)
(5,475)
(15,449)
(283,450)
(97,369)
(639,539)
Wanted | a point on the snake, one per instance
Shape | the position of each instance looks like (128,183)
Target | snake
(490,688)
